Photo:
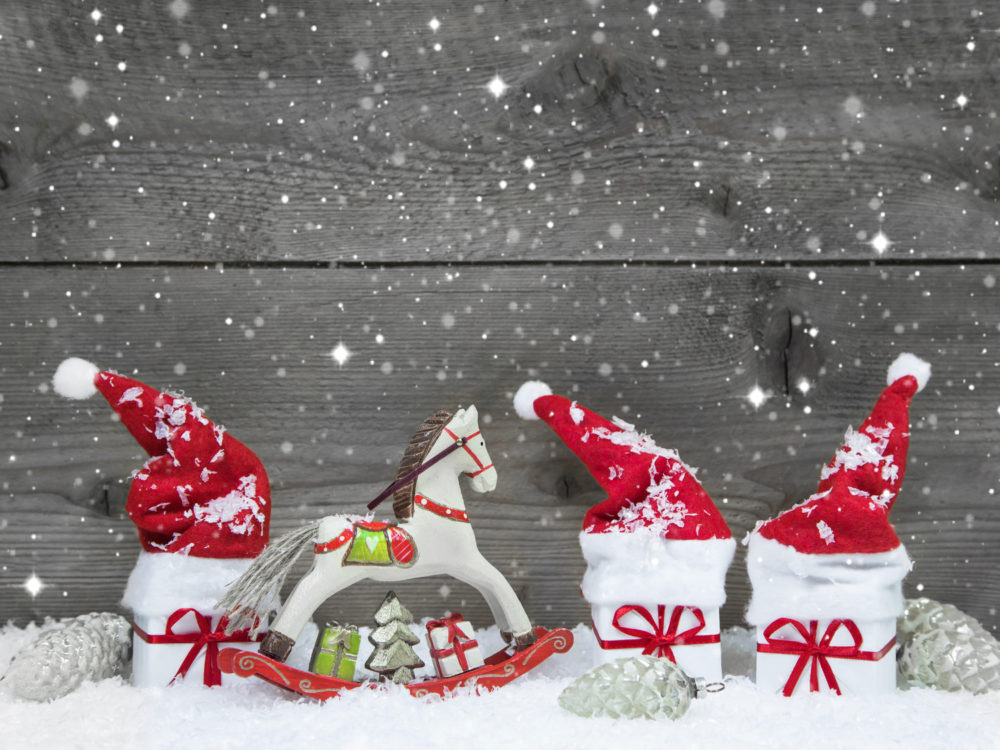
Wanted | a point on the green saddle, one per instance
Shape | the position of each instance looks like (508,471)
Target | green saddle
(377,543)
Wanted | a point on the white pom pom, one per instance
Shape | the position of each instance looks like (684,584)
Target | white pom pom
(909,364)
(74,378)
(524,399)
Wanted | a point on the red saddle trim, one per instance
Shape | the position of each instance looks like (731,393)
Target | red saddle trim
(336,543)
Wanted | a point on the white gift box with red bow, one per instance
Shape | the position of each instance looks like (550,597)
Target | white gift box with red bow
(687,635)
(175,622)
(825,624)
(827,656)
(453,645)
(650,595)
(184,645)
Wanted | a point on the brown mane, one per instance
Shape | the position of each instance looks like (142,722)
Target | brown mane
(414,455)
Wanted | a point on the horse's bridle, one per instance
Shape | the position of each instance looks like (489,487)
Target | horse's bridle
(464,443)
(460,442)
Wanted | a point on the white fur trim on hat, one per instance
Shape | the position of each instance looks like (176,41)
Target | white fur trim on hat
(643,566)
(161,583)
(909,364)
(74,378)
(788,583)
(524,399)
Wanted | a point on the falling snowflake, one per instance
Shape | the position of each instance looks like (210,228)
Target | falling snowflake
(33,585)
(497,86)
(880,242)
(341,354)
(757,397)
(179,9)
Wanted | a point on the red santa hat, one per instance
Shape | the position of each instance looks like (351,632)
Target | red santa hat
(657,535)
(202,495)
(836,554)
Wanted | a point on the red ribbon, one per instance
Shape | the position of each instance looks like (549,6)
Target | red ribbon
(204,637)
(459,641)
(818,651)
(657,639)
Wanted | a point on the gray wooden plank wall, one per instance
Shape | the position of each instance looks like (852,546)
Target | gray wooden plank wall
(661,212)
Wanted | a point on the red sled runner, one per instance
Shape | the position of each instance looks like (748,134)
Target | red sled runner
(499,669)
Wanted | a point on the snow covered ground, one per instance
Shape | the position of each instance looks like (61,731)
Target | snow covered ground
(113,714)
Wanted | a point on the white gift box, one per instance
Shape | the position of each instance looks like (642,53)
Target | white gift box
(825,623)
(838,656)
(162,585)
(451,641)
(687,635)
(157,660)
(675,587)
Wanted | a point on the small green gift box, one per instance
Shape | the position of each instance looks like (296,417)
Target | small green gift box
(336,651)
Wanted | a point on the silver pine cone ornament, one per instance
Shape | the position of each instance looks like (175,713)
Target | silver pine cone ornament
(640,687)
(88,647)
(944,648)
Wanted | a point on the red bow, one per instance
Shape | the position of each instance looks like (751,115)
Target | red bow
(658,639)
(459,641)
(818,651)
(205,638)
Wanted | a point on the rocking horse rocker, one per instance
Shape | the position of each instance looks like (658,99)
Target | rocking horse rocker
(433,536)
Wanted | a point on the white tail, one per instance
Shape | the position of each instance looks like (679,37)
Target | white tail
(255,593)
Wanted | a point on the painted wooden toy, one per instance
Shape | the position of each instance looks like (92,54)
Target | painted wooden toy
(432,535)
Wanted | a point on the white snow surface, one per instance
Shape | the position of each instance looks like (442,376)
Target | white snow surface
(112,714)
(74,378)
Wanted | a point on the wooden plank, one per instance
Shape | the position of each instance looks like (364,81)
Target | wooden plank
(339,132)
(674,350)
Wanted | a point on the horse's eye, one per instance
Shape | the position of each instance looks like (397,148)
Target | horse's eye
(482,442)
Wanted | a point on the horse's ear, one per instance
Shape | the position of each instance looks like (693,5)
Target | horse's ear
(471,415)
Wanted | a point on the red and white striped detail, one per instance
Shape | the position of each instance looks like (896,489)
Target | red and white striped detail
(442,510)
(401,545)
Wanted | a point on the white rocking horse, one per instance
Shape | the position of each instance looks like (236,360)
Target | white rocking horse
(433,536)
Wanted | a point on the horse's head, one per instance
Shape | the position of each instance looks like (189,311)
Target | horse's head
(477,464)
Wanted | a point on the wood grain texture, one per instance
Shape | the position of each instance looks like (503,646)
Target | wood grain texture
(675,350)
(350,132)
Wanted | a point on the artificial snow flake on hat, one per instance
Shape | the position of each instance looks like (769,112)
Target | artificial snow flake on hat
(836,554)
(657,534)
